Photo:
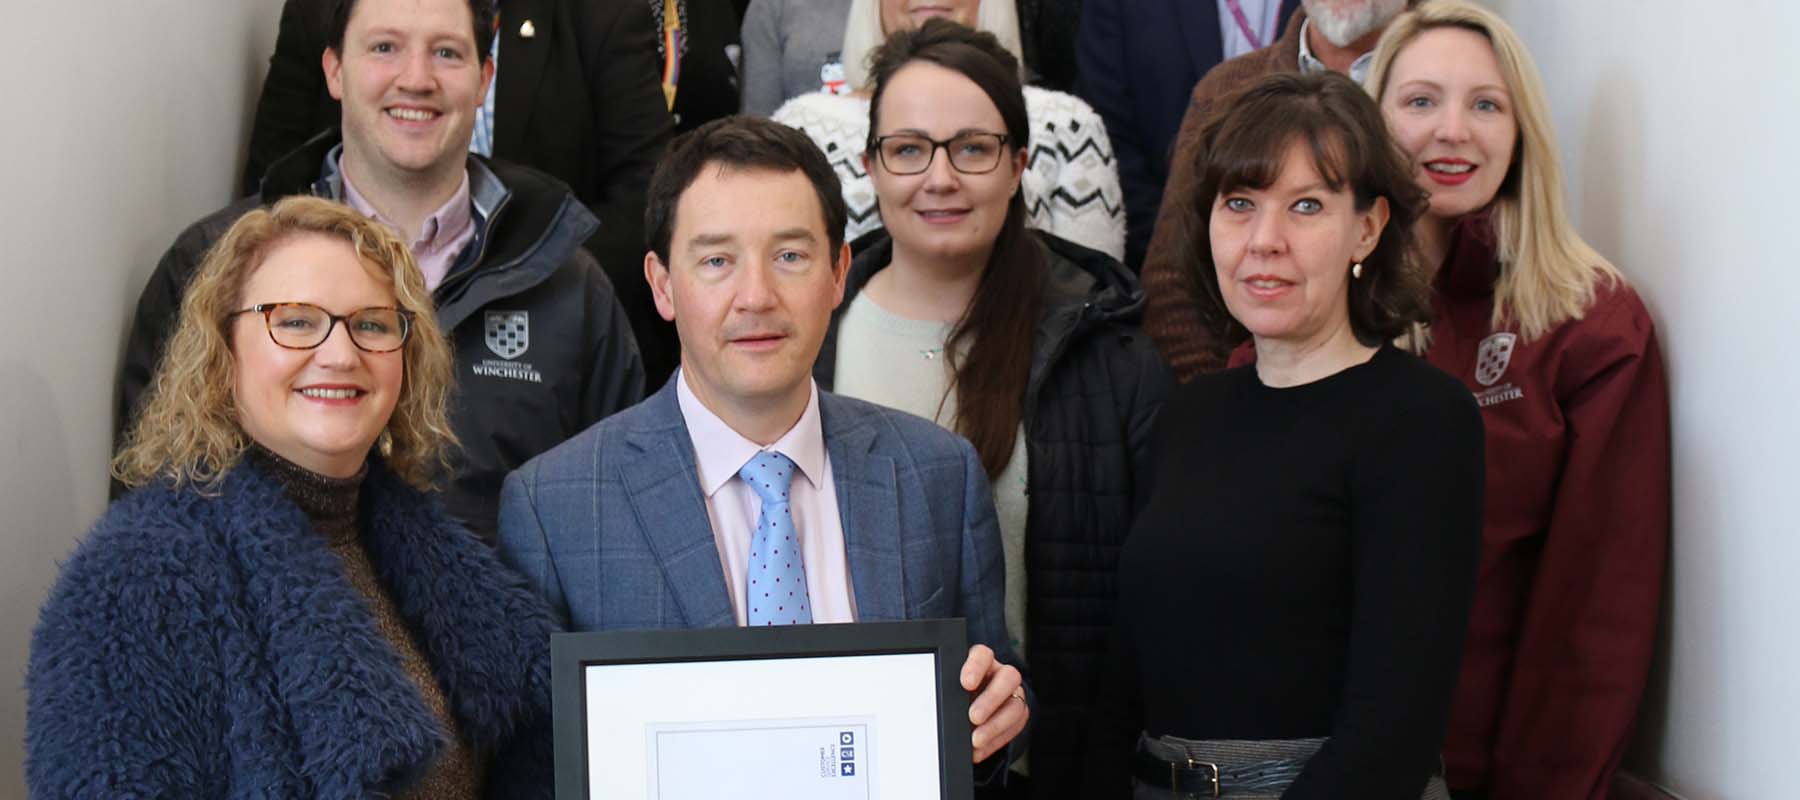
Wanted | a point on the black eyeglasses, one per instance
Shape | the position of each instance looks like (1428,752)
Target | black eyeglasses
(304,326)
(970,153)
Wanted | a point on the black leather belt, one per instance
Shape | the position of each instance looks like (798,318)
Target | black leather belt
(1188,775)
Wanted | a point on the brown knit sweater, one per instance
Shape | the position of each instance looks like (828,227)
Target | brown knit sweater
(332,506)
(1169,314)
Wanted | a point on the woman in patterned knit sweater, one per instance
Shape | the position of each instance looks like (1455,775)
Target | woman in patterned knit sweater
(279,610)
(1071,182)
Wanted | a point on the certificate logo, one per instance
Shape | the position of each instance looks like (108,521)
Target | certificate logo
(846,754)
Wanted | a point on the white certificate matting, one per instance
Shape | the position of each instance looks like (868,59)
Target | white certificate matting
(821,728)
(817,759)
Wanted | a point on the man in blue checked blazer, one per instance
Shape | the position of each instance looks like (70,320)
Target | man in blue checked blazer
(740,494)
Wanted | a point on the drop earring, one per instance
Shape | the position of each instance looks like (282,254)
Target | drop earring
(1356,270)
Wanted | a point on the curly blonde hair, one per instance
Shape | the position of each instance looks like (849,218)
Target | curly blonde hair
(189,433)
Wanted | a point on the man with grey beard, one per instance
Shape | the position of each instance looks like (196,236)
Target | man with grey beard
(1335,35)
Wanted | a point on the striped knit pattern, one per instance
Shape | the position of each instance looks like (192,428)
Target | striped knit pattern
(1071,183)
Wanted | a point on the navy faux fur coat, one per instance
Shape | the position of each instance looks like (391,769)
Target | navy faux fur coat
(211,647)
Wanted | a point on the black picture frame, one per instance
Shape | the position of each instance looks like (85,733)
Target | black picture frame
(946,639)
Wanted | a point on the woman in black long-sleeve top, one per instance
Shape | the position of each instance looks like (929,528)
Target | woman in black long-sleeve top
(1295,595)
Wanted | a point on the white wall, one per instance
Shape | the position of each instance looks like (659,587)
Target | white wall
(123,121)
(1679,123)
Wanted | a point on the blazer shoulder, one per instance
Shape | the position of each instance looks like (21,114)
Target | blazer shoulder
(894,432)
(604,440)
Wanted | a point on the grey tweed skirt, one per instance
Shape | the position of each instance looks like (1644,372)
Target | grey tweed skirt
(1251,770)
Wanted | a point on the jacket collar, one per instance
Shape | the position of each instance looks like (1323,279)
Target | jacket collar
(663,486)
(1472,264)
(530,223)
(1284,54)
(359,722)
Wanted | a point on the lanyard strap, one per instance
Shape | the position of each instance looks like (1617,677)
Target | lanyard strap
(671,33)
(1243,23)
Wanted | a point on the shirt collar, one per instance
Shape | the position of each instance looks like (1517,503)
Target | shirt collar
(1309,64)
(720,452)
(439,228)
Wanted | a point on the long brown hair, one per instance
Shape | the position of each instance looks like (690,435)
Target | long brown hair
(989,349)
(188,432)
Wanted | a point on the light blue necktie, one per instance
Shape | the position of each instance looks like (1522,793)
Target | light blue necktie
(775,593)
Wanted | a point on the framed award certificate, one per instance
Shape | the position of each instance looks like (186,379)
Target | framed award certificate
(799,712)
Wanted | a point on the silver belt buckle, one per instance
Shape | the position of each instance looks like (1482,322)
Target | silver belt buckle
(1175,774)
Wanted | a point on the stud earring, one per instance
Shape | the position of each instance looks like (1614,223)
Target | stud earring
(1356,270)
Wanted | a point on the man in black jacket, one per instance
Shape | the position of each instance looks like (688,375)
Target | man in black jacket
(542,348)
(575,94)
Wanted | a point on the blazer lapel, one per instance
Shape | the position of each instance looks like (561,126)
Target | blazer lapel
(664,491)
(518,70)
(869,506)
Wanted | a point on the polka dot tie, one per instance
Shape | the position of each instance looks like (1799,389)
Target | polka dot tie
(775,593)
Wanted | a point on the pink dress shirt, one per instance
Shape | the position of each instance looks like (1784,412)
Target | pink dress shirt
(719,452)
(441,239)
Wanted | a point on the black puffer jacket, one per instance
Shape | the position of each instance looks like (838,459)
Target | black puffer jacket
(525,270)
(1095,387)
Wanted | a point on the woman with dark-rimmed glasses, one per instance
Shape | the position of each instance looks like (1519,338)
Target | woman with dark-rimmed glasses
(1024,343)
(280,609)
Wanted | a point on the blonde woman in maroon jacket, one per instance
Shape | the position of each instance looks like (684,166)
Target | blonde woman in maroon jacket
(1563,359)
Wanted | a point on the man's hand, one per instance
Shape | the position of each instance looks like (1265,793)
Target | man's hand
(996,701)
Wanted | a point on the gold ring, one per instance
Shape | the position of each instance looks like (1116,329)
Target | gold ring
(1018,693)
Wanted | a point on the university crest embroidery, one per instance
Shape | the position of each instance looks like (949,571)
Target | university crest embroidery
(509,333)
(1493,357)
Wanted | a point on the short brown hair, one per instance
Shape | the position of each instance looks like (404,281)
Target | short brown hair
(1242,146)
(739,142)
(188,431)
(482,13)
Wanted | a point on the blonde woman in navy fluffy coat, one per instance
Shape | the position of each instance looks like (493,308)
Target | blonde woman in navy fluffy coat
(281,609)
